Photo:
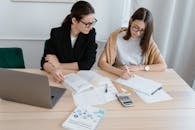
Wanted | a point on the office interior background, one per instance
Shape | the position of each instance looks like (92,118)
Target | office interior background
(28,24)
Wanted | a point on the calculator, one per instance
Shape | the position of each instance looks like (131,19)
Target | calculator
(124,99)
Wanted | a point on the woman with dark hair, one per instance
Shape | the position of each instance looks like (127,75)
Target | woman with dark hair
(71,46)
(132,49)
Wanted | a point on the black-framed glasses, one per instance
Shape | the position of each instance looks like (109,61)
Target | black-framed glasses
(136,29)
(89,24)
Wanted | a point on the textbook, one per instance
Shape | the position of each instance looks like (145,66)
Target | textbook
(84,118)
(84,80)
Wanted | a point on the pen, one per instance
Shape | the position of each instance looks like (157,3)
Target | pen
(126,67)
(106,89)
(156,90)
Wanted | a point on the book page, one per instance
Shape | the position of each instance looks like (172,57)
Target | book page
(93,77)
(81,83)
(97,96)
(76,83)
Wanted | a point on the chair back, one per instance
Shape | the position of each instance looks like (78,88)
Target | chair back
(11,58)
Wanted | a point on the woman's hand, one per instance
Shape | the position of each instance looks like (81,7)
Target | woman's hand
(126,74)
(57,75)
(52,59)
(132,68)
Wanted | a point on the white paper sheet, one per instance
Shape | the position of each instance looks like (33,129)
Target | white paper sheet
(93,77)
(84,118)
(96,96)
(102,90)
(159,96)
(76,83)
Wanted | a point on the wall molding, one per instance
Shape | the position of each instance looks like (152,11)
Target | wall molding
(24,38)
(46,1)
(37,39)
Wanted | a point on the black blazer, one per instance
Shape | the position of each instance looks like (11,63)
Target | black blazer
(59,44)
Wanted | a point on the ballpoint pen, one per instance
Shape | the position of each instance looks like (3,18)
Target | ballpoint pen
(126,67)
(156,90)
(106,89)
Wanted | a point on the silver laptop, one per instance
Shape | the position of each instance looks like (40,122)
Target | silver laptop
(28,88)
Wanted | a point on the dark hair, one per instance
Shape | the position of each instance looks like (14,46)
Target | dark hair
(145,15)
(78,11)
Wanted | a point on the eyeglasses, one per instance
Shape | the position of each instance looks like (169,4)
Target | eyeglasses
(136,29)
(89,24)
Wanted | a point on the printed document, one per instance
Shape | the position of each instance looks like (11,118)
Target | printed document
(97,96)
(76,84)
(84,118)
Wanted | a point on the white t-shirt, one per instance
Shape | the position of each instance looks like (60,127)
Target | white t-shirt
(73,40)
(128,51)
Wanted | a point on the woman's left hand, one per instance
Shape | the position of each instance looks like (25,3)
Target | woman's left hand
(134,68)
(52,59)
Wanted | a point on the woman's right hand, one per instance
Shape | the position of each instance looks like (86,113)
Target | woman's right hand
(58,76)
(125,74)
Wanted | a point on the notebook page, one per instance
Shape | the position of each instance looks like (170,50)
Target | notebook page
(141,84)
(159,96)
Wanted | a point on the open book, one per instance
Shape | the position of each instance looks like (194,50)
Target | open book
(84,80)
(90,88)
(76,84)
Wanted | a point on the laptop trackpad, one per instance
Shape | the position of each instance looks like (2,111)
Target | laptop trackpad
(56,93)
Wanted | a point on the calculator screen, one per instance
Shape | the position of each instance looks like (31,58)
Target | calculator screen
(126,99)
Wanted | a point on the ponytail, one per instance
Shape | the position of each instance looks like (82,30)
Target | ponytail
(67,20)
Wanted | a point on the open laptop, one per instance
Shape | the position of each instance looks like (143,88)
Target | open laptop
(28,88)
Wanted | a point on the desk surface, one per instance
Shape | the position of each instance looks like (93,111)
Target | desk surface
(176,114)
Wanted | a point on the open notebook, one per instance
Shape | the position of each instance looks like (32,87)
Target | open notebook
(148,90)
(141,84)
